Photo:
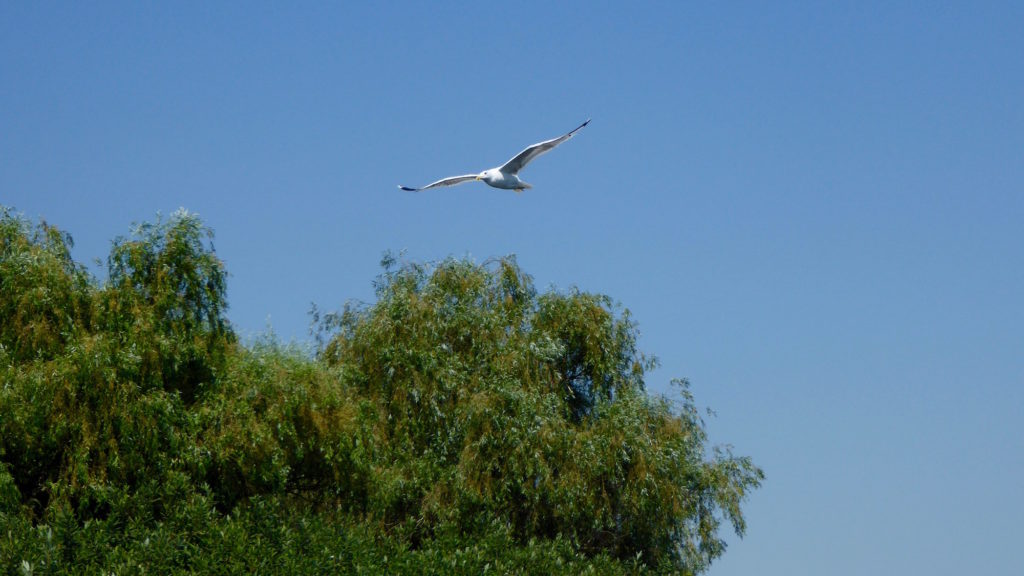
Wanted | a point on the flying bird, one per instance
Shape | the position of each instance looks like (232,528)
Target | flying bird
(505,176)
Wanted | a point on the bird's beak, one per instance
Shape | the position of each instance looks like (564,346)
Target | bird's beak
(477,177)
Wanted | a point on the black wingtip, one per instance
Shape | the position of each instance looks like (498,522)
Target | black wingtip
(407,189)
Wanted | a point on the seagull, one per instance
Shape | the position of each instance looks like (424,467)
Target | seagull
(505,176)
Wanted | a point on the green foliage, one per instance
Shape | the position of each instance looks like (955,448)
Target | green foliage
(166,299)
(462,423)
(96,408)
(279,423)
(500,405)
(44,295)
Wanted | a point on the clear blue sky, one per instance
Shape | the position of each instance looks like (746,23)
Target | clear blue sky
(815,211)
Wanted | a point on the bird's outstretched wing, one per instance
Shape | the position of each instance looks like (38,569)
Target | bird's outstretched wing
(520,160)
(450,181)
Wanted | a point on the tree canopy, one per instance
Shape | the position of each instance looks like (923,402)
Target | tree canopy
(462,422)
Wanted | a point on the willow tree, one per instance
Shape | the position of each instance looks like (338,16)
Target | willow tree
(96,376)
(500,405)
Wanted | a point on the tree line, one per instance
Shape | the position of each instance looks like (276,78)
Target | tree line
(462,423)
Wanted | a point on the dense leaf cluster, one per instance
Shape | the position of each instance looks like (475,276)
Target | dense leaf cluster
(461,423)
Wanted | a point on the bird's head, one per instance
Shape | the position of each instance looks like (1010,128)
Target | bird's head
(483,175)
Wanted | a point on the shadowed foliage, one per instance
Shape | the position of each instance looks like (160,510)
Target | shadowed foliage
(463,422)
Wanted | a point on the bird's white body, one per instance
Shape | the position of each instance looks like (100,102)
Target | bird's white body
(505,176)
(498,179)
